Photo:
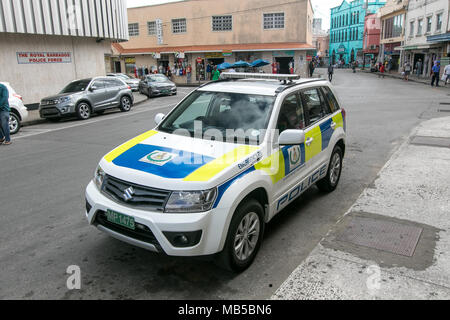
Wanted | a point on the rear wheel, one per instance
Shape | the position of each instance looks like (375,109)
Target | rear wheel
(14,123)
(125,104)
(244,237)
(331,181)
(83,111)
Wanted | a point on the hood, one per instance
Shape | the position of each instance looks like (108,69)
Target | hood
(135,81)
(163,84)
(60,95)
(173,162)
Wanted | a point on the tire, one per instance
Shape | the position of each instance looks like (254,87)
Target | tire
(14,123)
(149,92)
(237,260)
(125,104)
(331,181)
(83,111)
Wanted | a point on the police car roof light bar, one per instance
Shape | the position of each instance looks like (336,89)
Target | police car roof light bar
(264,76)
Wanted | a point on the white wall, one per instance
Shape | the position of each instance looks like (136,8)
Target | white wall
(36,81)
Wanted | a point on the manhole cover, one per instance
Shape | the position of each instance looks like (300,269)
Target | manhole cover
(431,141)
(382,235)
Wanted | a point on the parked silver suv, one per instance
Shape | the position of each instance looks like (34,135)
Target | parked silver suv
(84,97)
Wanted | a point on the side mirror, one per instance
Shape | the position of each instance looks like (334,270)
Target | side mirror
(159,117)
(93,88)
(291,137)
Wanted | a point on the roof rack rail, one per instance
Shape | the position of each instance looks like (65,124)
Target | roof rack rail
(282,89)
(264,76)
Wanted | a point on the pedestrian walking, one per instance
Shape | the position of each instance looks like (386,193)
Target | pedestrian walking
(419,68)
(435,71)
(446,76)
(406,71)
(215,74)
(189,73)
(5,137)
(381,70)
(354,64)
(330,72)
(311,68)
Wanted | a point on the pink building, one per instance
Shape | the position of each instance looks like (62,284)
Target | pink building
(372,32)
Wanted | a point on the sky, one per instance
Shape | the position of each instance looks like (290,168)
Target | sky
(321,8)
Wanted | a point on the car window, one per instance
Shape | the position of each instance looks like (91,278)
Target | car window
(99,84)
(291,114)
(314,105)
(111,83)
(331,99)
(76,86)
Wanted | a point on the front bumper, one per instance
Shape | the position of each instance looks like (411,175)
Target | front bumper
(211,225)
(57,110)
(161,92)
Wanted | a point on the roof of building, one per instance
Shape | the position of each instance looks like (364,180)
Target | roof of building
(217,48)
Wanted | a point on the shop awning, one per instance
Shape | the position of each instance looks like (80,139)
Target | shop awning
(417,46)
(439,38)
(282,46)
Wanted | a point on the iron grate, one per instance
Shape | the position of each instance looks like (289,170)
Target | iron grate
(382,235)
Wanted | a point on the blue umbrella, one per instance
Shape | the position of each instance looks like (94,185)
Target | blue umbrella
(224,66)
(260,63)
(241,64)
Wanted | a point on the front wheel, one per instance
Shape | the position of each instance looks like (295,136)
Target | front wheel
(14,123)
(83,111)
(244,237)
(331,181)
(125,104)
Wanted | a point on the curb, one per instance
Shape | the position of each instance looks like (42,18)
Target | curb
(400,78)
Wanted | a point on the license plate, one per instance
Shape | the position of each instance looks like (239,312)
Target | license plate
(165,91)
(120,219)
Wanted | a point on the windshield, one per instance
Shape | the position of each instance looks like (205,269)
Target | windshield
(157,78)
(123,76)
(229,117)
(76,86)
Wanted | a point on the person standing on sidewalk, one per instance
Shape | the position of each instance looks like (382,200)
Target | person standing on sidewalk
(215,74)
(4,116)
(406,71)
(447,73)
(381,69)
(330,72)
(436,70)
(419,68)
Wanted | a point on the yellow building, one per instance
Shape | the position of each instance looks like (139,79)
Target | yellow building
(201,32)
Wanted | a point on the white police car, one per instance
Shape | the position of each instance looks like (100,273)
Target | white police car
(219,166)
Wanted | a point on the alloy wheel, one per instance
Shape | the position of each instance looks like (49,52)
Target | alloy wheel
(13,124)
(247,236)
(126,104)
(335,169)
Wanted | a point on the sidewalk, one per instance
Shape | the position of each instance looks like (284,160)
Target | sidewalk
(34,117)
(394,242)
(412,78)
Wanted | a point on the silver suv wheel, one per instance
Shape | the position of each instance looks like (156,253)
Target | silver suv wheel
(84,111)
(125,104)
(14,123)
(247,236)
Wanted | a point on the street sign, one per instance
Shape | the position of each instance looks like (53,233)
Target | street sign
(159,31)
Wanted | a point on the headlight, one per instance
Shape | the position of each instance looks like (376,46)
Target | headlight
(99,177)
(191,201)
(64,99)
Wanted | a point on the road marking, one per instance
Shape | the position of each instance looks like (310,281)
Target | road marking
(92,121)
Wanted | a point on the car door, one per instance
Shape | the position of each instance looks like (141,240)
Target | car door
(290,159)
(97,92)
(112,94)
(319,128)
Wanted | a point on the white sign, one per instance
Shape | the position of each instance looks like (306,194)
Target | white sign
(43,57)
(159,31)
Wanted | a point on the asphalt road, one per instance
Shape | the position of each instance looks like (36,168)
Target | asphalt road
(43,176)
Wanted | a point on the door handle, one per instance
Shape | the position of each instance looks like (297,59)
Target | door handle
(333,125)
(309,141)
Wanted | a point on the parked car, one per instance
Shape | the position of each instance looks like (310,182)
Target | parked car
(84,97)
(157,85)
(132,82)
(18,110)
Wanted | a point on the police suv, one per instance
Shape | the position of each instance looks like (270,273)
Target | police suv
(220,166)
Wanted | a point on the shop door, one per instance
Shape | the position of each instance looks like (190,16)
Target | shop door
(117,67)
(284,64)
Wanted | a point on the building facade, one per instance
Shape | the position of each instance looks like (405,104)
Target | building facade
(426,20)
(47,44)
(371,42)
(393,19)
(201,32)
(347,29)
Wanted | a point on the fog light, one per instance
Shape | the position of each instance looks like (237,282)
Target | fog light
(184,239)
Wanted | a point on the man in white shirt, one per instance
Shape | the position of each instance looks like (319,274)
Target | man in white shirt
(447,74)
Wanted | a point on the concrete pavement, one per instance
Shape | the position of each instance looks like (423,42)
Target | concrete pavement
(406,208)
